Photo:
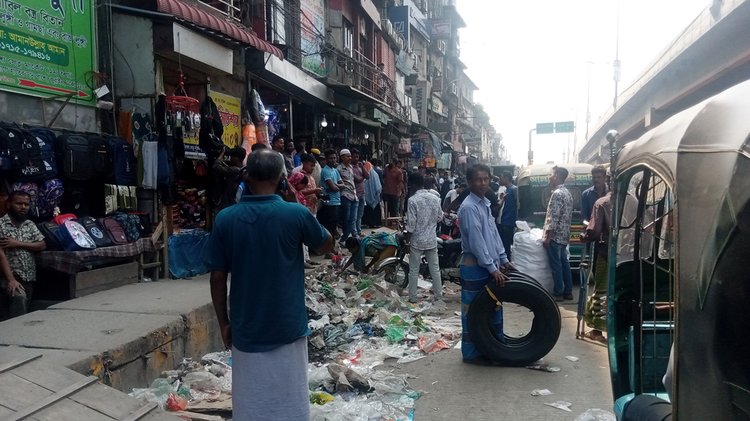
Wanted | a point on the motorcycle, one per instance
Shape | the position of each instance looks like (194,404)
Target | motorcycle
(396,269)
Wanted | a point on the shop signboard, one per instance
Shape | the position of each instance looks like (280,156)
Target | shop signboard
(312,15)
(399,16)
(440,29)
(229,109)
(47,48)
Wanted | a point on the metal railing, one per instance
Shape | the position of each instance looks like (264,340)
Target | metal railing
(230,8)
(361,73)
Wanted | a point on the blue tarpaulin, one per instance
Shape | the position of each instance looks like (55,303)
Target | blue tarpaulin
(187,254)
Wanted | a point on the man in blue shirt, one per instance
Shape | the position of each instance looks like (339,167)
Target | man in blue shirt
(595,192)
(332,185)
(509,201)
(483,258)
(259,241)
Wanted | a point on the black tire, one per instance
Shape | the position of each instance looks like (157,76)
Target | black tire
(396,273)
(545,328)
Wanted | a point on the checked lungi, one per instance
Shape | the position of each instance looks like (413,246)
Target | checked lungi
(473,280)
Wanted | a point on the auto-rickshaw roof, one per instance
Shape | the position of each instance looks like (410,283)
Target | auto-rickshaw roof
(717,126)
(545,169)
(703,155)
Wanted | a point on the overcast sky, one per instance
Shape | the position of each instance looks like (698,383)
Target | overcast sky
(530,60)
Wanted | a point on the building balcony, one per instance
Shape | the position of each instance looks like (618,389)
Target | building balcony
(358,77)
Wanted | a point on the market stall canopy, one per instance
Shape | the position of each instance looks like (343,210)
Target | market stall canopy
(184,11)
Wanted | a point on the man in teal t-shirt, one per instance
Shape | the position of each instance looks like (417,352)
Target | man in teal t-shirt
(332,186)
(259,241)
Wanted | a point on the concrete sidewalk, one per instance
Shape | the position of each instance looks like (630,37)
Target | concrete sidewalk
(125,336)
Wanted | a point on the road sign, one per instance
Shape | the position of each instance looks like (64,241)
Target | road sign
(564,127)
(544,128)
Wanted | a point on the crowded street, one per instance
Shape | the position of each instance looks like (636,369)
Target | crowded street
(374,210)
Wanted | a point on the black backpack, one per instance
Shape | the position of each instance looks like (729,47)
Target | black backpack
(101,157)
(94,230)
(47,139)
(49,231)
(24,153)
(75,157)
(209,135)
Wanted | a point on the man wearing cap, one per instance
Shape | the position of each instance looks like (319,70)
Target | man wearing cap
(349,201)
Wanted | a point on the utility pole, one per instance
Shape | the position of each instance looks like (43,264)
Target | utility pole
(588,99)
(531,151)
(617,65)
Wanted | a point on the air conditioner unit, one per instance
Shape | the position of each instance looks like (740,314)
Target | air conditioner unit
(441,46)
(454,89)
(387,27)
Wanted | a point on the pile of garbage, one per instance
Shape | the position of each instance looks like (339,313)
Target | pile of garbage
(357,323)
(203,386)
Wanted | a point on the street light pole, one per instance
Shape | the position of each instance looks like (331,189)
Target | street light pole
(616,65)
(531,152)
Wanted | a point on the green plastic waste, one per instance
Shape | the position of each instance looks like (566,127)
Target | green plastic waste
(396,320)
(395,334)
(364,284)
(327,290)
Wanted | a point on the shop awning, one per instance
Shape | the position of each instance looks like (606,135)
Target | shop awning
(184,11)
(351,116)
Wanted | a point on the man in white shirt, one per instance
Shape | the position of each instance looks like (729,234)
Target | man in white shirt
(453,195)
(423,215)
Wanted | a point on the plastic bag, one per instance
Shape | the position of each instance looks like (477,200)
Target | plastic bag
(321,398)
(529,256)
(596,415)
(395,334)
(432,343)
(176,402)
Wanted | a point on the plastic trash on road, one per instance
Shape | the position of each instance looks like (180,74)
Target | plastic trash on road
(540,392)
(596,415)
(565,406)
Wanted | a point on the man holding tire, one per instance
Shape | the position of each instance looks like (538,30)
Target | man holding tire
(483,260)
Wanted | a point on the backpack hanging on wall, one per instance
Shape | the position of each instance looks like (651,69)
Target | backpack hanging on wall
(24,153)
(46,139)
(50,195)
(211,130)
(123,158)
(74,157)
(101,157)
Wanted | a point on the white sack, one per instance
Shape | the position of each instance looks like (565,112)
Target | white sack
(529,256)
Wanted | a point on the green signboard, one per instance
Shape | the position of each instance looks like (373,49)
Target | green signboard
(564,127)
(544,128)
(47,48)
